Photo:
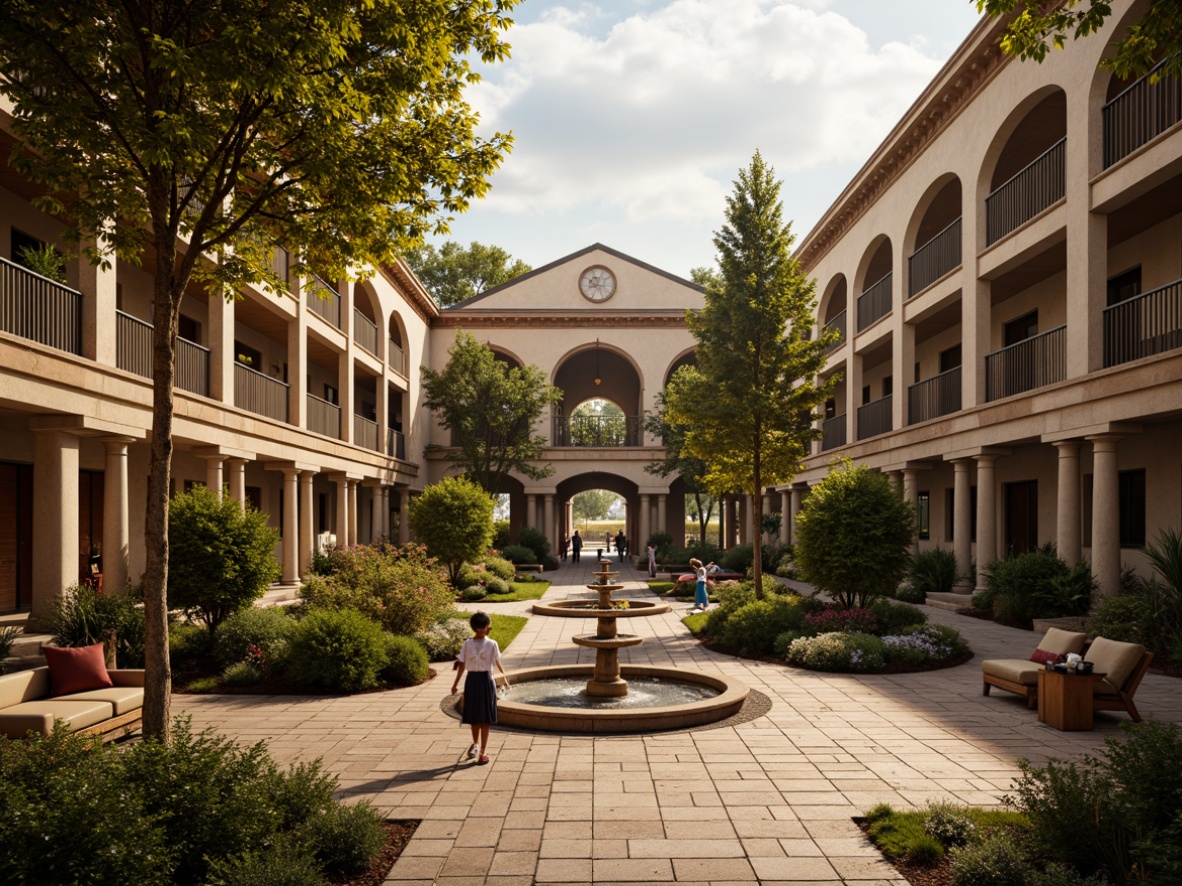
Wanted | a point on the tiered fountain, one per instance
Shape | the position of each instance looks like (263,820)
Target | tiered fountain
(561,698)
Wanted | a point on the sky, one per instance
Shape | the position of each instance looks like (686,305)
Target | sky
(632,118)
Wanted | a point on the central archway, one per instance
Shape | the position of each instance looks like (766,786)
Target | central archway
(585,482)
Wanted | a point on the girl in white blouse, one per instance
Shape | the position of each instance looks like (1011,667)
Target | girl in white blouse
(478,656)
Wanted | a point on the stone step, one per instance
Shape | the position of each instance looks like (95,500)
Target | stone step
(281,595)
(950,602)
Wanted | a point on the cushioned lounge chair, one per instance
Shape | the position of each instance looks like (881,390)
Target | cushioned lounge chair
(1123,664)
(1020,675)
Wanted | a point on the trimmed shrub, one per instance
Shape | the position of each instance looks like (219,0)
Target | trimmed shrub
(242,673)
(406,661)
(784,641)
(337,651)
(949,824)
(346,839)
(500,567)
(495,585)
(923,644)
(933,572)
(662,541)
(893,617)
(444,638)
(471,575)
(752,629)
(1126,618)
(220,556)
(837,652)
(907,593)
(827,621)
(279,865)
(500,534)
(83,616)
(1036,584)
(995,861)
(535,540)
(453,518)
(550,563)
(267,630)
(519,555)
(472,593)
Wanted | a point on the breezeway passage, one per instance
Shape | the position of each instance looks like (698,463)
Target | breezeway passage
(770,799)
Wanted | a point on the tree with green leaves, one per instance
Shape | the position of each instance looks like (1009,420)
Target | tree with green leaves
(336,129)
(453,273)
(454,519)
(676,461)
(854,535)
(750,405)
(490,408)
(594,504)
(1037,27)
(598,422)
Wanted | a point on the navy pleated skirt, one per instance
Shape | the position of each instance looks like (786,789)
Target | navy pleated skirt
(480,699)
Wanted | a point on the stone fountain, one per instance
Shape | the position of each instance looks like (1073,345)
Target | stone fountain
(607,643)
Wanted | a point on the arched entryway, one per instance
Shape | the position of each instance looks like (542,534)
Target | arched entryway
(592,480)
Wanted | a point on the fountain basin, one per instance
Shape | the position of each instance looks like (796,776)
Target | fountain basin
(606,720)
(619,641)
(591,609)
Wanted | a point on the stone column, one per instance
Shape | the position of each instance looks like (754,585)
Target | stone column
(385,526)
(116,527)
(97,285)
(531,510)
(213,475)
(220,340)
(1068,539)
(352,486)
(548,518)
(307,524)
(785,516)
(962,521)
(986,515)
(291,526)
(237,471)
(341,527)
(796,503)
(644,526)
(662,518)
(404,515)
(1105,515)
(911,495)
(56,555)
(896,478)
(375,514)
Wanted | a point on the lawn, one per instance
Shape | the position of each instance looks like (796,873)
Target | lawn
(519,590)
(505,628)
(682,591)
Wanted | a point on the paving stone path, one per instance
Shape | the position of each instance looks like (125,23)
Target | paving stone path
(768,801)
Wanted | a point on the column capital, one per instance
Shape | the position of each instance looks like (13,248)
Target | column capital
(223,452)
(296,466)
(117,440)
(1105,442)
(1067,448)
(976,452)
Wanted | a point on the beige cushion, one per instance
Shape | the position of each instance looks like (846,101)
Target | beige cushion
(1016,670)
(124,699)
(1062,642)
(127,676)
(17,720)
(23,686)
(1114,659)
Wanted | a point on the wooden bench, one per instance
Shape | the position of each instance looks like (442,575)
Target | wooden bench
(530,567)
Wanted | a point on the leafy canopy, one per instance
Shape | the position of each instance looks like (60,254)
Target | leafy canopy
(454,519)
(490,408)
(677,461)
(749,405)
(1038,27)
(453,273)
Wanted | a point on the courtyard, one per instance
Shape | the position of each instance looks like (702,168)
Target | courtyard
(768,797)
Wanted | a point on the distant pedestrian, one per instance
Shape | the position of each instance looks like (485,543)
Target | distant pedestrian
(576,545)
(621,545)
(607,540)
(652,560)
(565,545)
(701,597)
(477,656)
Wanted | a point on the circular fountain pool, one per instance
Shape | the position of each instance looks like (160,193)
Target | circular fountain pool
(643,692)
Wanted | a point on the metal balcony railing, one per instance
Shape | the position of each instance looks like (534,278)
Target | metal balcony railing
(259,393)
(874,418)
(396,357)
(323,300)
(365,433)
(833,432)
(934,259)
(365,332)
(1140,114)
(933,397)
(837,323)
(133,353)
(596,430)
(395,444)
(1148,324)
(874,302)
(1029,364)
(324,417)
(1039,185)
(39,309)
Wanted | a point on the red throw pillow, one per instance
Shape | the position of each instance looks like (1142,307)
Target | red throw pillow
(76,670)
(1042,657)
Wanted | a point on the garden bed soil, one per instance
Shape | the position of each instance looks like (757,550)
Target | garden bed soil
(399,833)
(938,874)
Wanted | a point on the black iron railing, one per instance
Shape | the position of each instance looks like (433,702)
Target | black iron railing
(259,393)
(837,323)
(934,259)
(1148,324)
(39,309)
(395,443)
(1029,364)
(324,417)
(365,332)
(1140,114)
(396,357)
(365,433)
(1041,184)
(933,397)
(133,353)
(833,433)
(874,302)
(323,300)
(874,418)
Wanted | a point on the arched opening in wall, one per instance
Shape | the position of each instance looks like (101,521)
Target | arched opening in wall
(874,279)
(597,373)
(1137,110)
(832,310)
(600,422)
(1029,174)
(509,512)
(505,357)
(601,507)
(935,235)
(396,346)
(689,358)
(396,416)
(365,317)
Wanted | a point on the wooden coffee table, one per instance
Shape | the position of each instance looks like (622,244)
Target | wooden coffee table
(1065,699)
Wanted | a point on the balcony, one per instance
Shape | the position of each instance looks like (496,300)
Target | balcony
(39,309)
(1140,114)
(324,417)
(365,332)
(596,430)
(833,433)
(1150,323)
(395,444)
(133,353)
(874,418)
(365,433)
(933,397)
(259,393)
(837,323)
(934,259)
(1041,184)
(1033,363)
(396,357)
(874,302)
(323,300)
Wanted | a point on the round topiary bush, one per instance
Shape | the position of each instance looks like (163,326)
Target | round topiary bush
(406,661)
(752,629)
(346,839)
(242,673)
(268,630)
(495,585)
(519,554)
(337,651)
(472,593)
(470,575)
(500,567)
(444,638)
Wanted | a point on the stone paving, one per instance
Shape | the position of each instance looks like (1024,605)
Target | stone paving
(768,801)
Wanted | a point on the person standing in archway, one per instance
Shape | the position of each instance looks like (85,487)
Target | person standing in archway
(621,545)
(576,545)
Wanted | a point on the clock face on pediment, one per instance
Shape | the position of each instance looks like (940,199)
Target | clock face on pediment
(597,284)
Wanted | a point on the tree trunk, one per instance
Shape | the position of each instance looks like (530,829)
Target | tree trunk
(158,668)
(756,525)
